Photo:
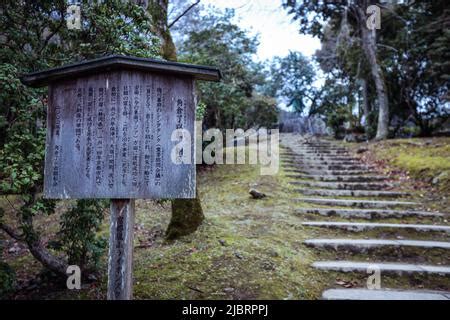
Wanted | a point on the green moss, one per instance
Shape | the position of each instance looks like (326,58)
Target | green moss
(419,163)
(187,216)
(423,159)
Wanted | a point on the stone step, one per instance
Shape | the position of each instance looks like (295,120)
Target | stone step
(327,151)
(351,193)
(321,158)
(317,158)
(321,146)
(339,153)
(384,267)
(339,178)
(369,213)
(300,151)
(329,172)
(323,162)
(364,244)
(343,185)
(328,167)
(324,152)
(357,203)
(327,147)
(384,294)
(361,226)
(304,156)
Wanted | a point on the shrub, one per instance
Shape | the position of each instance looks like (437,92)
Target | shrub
(78,236)
(7,278)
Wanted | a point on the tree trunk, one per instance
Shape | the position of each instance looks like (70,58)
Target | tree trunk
(187,214)
(158,10)
(37,250)
(48,260)
(369,45)
(365,103)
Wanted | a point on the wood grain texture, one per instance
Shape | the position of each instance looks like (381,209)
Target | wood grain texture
(120,263)
(109,136)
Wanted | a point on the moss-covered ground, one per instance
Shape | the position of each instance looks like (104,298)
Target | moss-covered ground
(419,159)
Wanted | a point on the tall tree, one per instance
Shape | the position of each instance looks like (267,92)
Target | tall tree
(368,40)
(313,13)
(292,78)
(187,214)
(216,40)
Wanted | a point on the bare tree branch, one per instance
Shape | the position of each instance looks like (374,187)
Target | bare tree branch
(10,231)
(183,14)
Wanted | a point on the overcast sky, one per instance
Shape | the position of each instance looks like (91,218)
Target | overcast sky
(277,33)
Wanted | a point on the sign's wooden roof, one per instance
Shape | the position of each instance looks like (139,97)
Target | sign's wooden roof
(117,62)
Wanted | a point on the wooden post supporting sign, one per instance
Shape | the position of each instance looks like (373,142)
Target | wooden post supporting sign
(120,264)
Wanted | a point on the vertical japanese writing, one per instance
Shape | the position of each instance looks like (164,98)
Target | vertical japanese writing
(158,148)
(79,118)
(99,141)
(55,169)
(148,137)
(57,121)
(89,125)
(124,142)
(136,136)
(179,124)
(112,136)
(56,172)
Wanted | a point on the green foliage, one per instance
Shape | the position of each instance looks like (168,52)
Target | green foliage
(7,279)
(38,37)
(78,238)
(336,121)
(7,274)
(218,42)
(200,111)
(292,80)
(262,112)
(116,27)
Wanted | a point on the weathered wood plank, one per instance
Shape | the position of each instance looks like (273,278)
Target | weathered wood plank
(110,137)
(120,263)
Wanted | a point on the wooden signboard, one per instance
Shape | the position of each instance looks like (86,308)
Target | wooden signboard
(110,123)
(109,135)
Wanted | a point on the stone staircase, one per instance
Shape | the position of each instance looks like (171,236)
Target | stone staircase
(336,188)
